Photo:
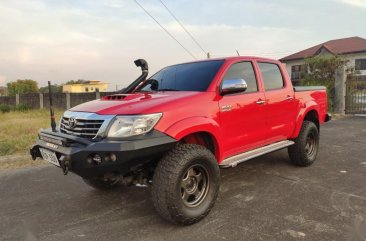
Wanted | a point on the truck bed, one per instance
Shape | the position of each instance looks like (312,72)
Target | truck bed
(308,88)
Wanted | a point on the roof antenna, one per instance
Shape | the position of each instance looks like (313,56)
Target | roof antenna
(53,122)
(237,52)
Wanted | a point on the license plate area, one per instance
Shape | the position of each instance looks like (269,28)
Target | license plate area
(49,156)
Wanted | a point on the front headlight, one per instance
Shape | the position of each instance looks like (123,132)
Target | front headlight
(125,126)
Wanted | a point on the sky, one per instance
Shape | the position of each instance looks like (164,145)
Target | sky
(57,41)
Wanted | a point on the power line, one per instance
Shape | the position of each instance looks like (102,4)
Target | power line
(165,29)
(176,19)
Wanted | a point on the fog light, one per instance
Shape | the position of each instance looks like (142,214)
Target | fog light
(97,159)
(113,157)
(89,160)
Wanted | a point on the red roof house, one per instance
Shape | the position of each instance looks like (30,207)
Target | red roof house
(353,48)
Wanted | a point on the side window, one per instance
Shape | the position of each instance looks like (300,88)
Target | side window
(245,71)
(271,75)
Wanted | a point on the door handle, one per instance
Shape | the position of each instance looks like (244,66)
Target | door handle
(289,97)
(260,102)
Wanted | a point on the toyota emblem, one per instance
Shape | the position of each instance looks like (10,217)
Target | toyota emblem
(72,122)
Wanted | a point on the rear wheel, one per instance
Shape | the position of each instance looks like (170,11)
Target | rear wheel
(185,184)
(305,150)
(101,184)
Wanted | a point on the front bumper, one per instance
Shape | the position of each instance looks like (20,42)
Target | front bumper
(75,154)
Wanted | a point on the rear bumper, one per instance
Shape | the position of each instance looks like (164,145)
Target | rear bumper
(328,117)
(77,153)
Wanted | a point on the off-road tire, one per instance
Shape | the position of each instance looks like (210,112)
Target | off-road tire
(100,184)
(299,153)
(171,171)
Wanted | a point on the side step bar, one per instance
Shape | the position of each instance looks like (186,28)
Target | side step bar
(235,160)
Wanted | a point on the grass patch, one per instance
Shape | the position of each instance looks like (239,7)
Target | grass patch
(19,161)
(18,130)
(8,108)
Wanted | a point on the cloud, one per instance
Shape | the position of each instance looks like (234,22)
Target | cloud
(355,3)
(99,39)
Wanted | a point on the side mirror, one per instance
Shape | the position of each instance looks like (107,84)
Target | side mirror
(230,86)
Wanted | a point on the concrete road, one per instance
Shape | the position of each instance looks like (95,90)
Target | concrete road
(262,199)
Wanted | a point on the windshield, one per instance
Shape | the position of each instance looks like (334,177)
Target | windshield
(184,77)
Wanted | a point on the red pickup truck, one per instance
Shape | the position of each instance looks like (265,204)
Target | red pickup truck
(176,129)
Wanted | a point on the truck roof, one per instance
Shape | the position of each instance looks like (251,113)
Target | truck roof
(233,58)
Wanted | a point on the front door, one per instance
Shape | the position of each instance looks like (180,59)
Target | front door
(242,115)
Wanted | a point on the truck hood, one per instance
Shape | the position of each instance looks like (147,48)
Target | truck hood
(139,103)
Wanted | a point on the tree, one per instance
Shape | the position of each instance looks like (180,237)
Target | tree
(79,81)
(321,70)
(54,88)
(22,87)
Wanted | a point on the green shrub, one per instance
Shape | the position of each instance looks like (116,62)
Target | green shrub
(4,108)
(22,107)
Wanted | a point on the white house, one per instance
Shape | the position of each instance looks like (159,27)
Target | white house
(354,49)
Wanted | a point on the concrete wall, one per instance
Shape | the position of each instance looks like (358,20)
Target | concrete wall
(8,100)
(79,98)
(31,100)
(59,100)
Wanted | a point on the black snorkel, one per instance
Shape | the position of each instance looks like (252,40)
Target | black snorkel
(145,71)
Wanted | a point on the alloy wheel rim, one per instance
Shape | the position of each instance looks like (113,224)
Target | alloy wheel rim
(194,185)
(310,146)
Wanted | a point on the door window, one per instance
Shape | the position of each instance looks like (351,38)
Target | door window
(245,71)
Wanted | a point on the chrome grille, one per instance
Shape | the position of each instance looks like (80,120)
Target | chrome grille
(86,125)
(83,128)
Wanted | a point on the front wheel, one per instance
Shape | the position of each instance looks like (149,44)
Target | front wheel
(305,150)
(185,184)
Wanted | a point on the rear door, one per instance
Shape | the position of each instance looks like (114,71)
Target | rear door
(280,103)
(242,115)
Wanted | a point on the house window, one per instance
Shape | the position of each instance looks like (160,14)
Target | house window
(91,88)
(86,89)
(295,72)
(360,64)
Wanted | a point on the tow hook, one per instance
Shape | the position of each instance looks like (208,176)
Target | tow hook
(65,164)
(65,168)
